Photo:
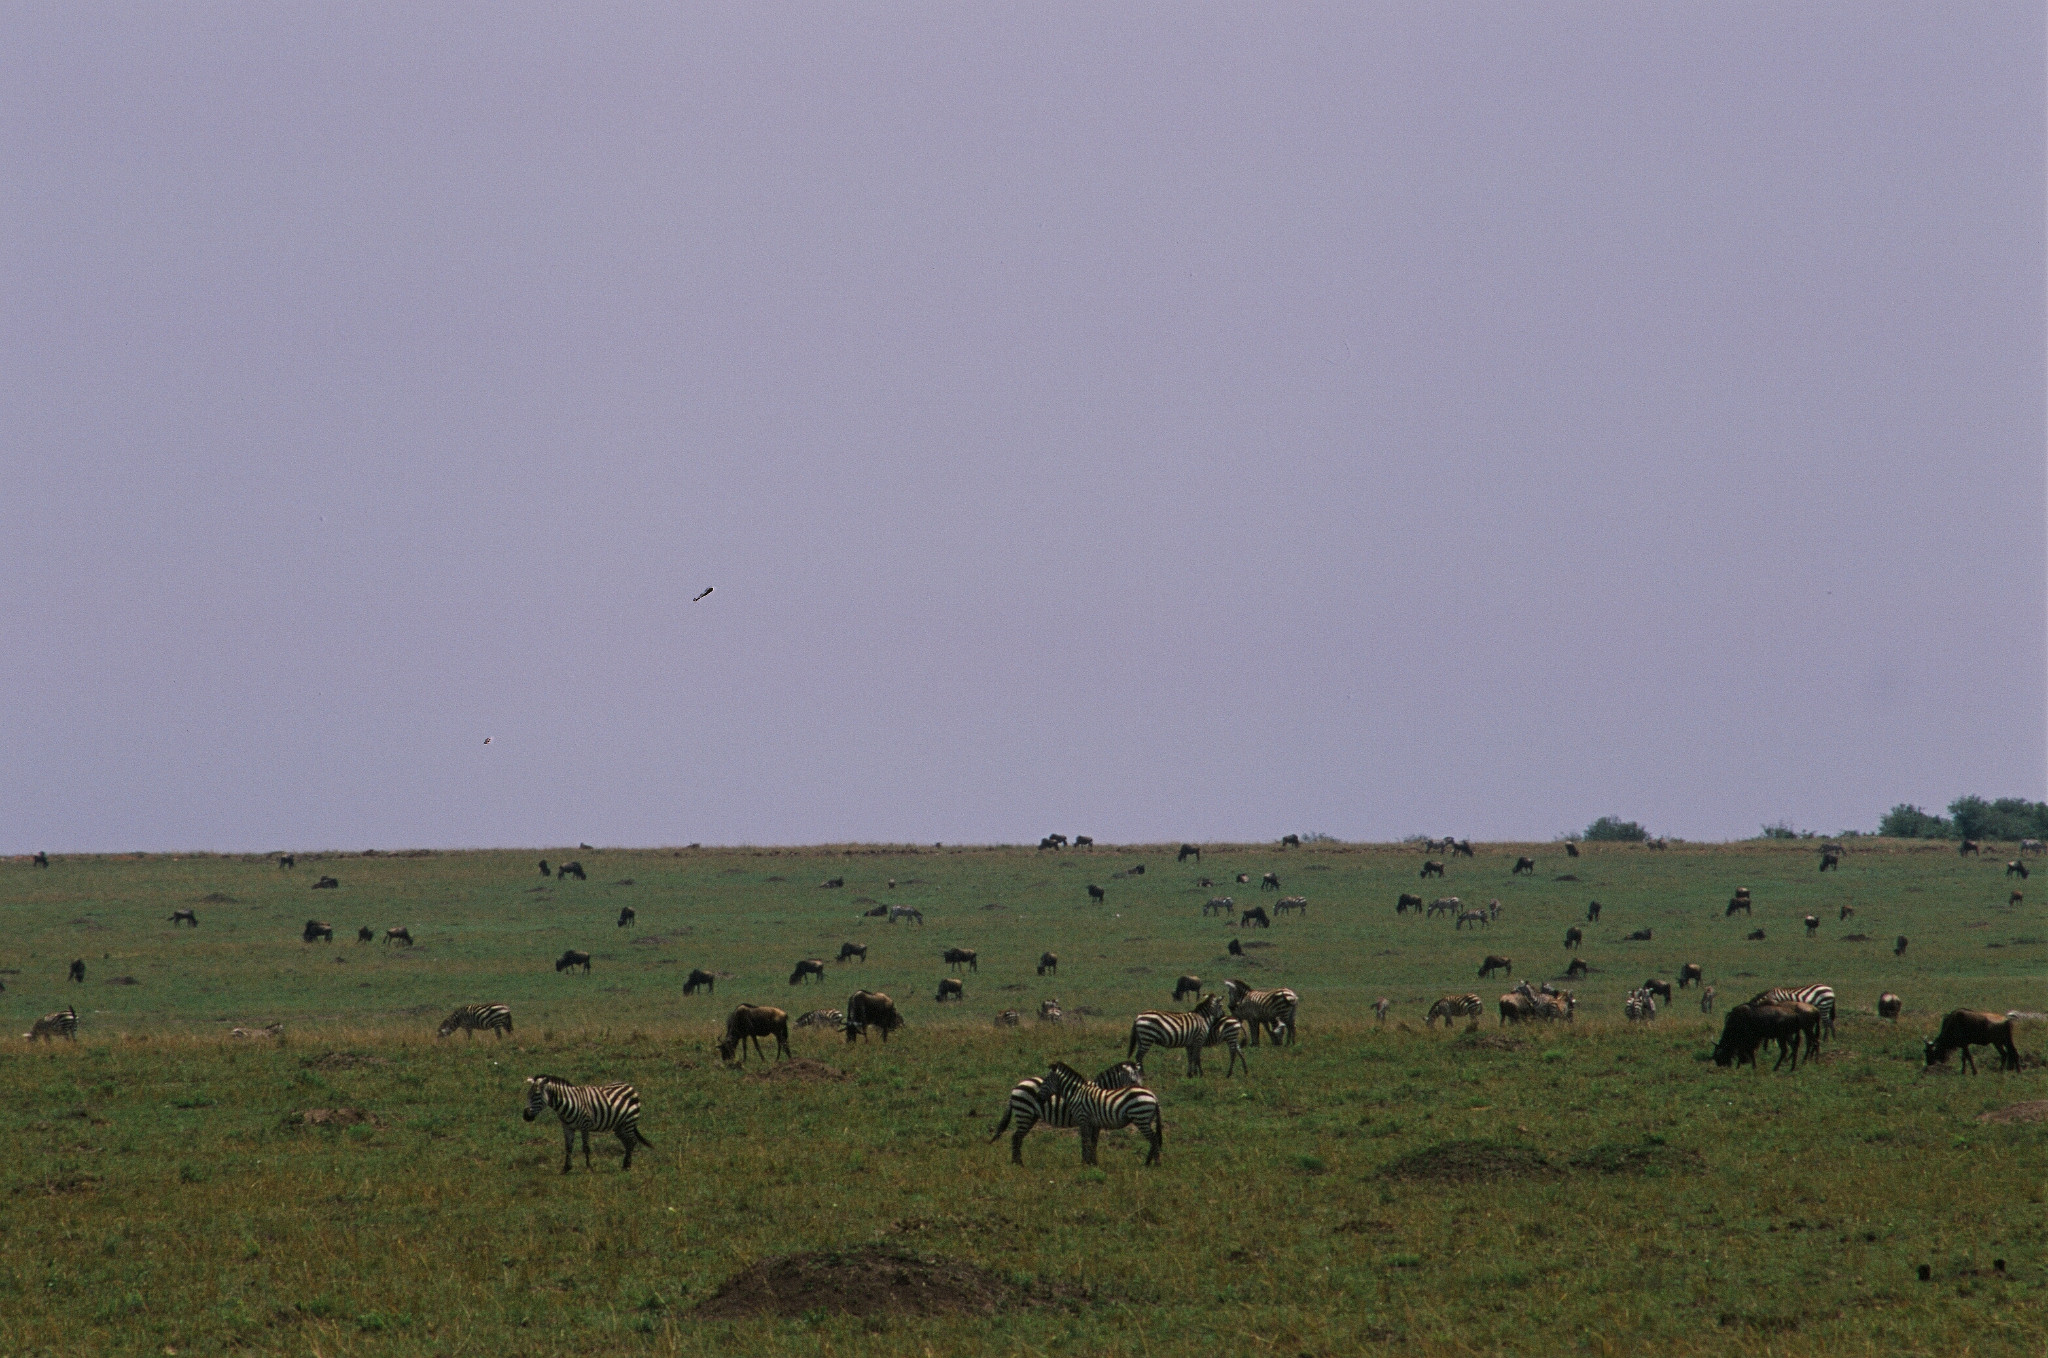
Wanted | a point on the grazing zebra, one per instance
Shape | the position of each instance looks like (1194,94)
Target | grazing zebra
(1819,996)
(897,912)
(1641,1006)
(318,929)
(494,1018)
(1466,917)
(587,1109)
(1380,1007)
(184,917)
(1287,903)
(1218,905)
(1192,1030)
(822,1018)
(1453,1007)
(50,1026)
(1031,1103)
(1272,1009)
(1094,1109)
(1446,905)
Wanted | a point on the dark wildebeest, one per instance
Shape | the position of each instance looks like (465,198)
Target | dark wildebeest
(1847,911)
(832,884)
(1899,948)
(1096,893)
(1592,912)
(700,977)
(570,870)
(1967,1028)
(287,860)
(1136,870)
(1690,974)
(1831,860)
(398,933)
(1639,936)
(1755,935)
(544,868)
(1084,842)
(1290,841)
(1256,915)
(1236,948)
(871,1008)
(809,966)
(1571,850)
(317,929)
(1408,901)
(1432,868)
(1462,849)
(1270,882)
(626,916)
(1495,962)
(42,859)
(859,950)
(326,884)
(1050,843)
(751,1023)
(954,957)
(1736,903)
(1188,851)
(363,935)
(1048,964)
(573,958)
(2014,867)
(1187,985)
(1889,1005)
(1749,1026)
(2015,898)
(949,986)
(1577,968)
(78,969)
(1812,925)
(877,912)
(186,916)
(1661,989)
(1967,847)
(1524,864)
(1573,937)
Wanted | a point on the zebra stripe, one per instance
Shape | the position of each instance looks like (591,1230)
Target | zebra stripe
(1272,1009)
(50,1026)
(587,1109)
(493,1018)
(1640,1007)
(1095,1109)
(1191,1030)
(1453,1007)
(1819,996)
(1033,1102)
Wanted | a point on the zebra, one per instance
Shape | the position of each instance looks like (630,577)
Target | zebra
(1193,1030)
(1448,905)
(1272,1009)
(1287,903)
(1453,1007)
(1218,905)
(1466,917)
(822,1018)
(1819,996)
(1640,1007)
(492,1018)
(1031,1103)
(897,912)
(50,1026)
(1094,1109)
(587,1109)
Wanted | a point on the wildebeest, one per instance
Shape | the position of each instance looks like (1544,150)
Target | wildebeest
(398,933)
(2015,898)
(1846,912)
(317,929)
(287,860)
(1187,985)
(1243,878)
(1736,903)
(42,860)
(1592,912)
(1270,882)
(326,884)
(871,1009)
(568,870)
(1462,849)
(1967,847)
(1812,925)
(1408,901)
(1256,915)
(1755,935)
(573,958)
(1096,893)
(1218,905)
(859,950)
(544,868)
(2014,867)
(1048,964)
(1053,842)
(1889,1005)
(78,969)
(184,916)
(1899,948)
(1516,1008)
(626,916)
(1831,860)
(877,912)
(1639,936)
(1084,841)
(1661,989)
(954,957)
(1571,850)
(831,883)
(1290,841)
(363,935)
(1689,974)
(951,986)
(700,977)
(751,1023)
(1523,864)
(1188,851)
(809,966)
(1495,962)
(1380,1007)
(1573,937)
(1287,903)
(1432,868)
(1236,949)
(1966,1028)
(1577,968)
(1749,1026)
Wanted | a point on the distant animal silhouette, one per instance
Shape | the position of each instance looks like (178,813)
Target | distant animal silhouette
(1083,842)
(1290,841)
(1689,974)
(1573,937)
(1408,901)
(1048,964)
(626,916)
(1577,968)
(859,950)
(1256,915)
(1270,882)
(184,916)
(1571,850)
(1754,935)
(1899,948)
(1188,851)
(573,958)
(571,870)
(544,868)
(2016,868)
(1889,1005)
(951,988)
(875,913)
(1592,912)
(1495,962)
(1831,861)
(1812,925)
(1967,847)
(809,966)
(1096,893)
(1188,985)
(700,978)
(398,934)
(1524,864)
(287,860)
(78,969)
(961,956)
(326,884)
(1432,868)
(317,929)
(1639,936)
(42,859)
(1236,949)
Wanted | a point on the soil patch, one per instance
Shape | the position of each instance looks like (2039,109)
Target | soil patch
(799,1069)
(1466,1161)
(341,1061)
(1642,1157)
(124,980)
(2034,1110)
(1496,1042)
(333,1117)
(878,1280)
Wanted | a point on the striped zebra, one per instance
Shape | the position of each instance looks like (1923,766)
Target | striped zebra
(1271,1009)
(50,1026)
(492,1018)
(587,1109)
(1032,1102)
(1640,1007)
(1095,1109)
(1819,996)
(1194,1030)
(822,1018)
(1454,1007)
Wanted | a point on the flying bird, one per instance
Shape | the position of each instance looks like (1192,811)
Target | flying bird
(702,597)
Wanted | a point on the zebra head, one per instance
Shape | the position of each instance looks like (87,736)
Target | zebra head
(1236,990)
(539,1095)
(1211,1008)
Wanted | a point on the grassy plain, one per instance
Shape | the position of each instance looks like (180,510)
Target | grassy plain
(1591,1188)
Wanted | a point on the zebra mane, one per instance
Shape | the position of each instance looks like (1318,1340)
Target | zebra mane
(1061,1071)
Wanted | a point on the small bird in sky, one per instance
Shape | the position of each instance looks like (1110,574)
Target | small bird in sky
(702,597)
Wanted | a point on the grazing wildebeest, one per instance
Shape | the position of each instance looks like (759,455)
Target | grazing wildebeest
(573,958)
(955,957)
(1749,1026)
(1236,948)
(398,933)
(1516,1007)
(1256,915)
(1736,903)
(877,912)
(1967,847)
(1571,850)
(871,1009)
(185,916)
(950,986)
(1187,985)
(809,966)
(568,870)
(287,860)
(1592,912)
(1689,974)
(1889,1005)
(1707,1000)
(751,1023)
(1899,948)
(1573,937)
(1495,962)
(1523,864)
(1096,893)
(859,950)
(700,977)
(2015,898)
(326,884)
(1812,925)
(1966,1028)
(1270,882)
(1639,936)
(1084,842)
(78,969)
(1380,1007)
(363,935)
(1831,860)
(1287,903)
(1136,870)
(831,883)
(1290,841)
(1847,911)
(317,929)
(1408,901)
(1661,989)
(1188,851)
(1449,905)
(1048,964)
(1432,868)
(1049,842)
(626,916)
(897,912)
(1463,848)
(544,868)
(1577,968)
(1755,935)
(1218,905)
(42,859)
(1466,917)
(2014,867)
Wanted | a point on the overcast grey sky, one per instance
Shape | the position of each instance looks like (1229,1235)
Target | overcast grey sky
(1146,422)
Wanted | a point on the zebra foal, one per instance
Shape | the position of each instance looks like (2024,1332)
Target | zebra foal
(586,1109)
(63,1023)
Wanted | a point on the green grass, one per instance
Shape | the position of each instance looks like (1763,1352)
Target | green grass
(1611,1190)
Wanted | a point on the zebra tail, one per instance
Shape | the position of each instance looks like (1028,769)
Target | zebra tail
(1001,1127)
(1132,1045)
(641,1137)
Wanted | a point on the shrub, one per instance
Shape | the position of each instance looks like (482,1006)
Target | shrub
(1614,828)
(2006,818)
(1906,821)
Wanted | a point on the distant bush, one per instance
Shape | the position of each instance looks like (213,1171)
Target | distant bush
(1906,821)
(1612,828)
(1782,830)
(2006,818)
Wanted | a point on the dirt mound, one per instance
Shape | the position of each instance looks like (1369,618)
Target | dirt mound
(333,1117)
(1465,1161)
(2034,1110)
(865,1282)
(799,1069)
(1651,1157)
(341,1061)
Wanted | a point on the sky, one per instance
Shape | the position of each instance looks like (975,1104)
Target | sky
(1154,422)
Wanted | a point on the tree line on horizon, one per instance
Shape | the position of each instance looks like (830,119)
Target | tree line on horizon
(1969,818)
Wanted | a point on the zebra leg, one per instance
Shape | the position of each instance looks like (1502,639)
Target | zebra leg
(1025,1122)
(1195,1059)
(1237,1058)
(568,1146)
(627,1138)
(1155,1132)
(586,1148)
(1089,1135)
